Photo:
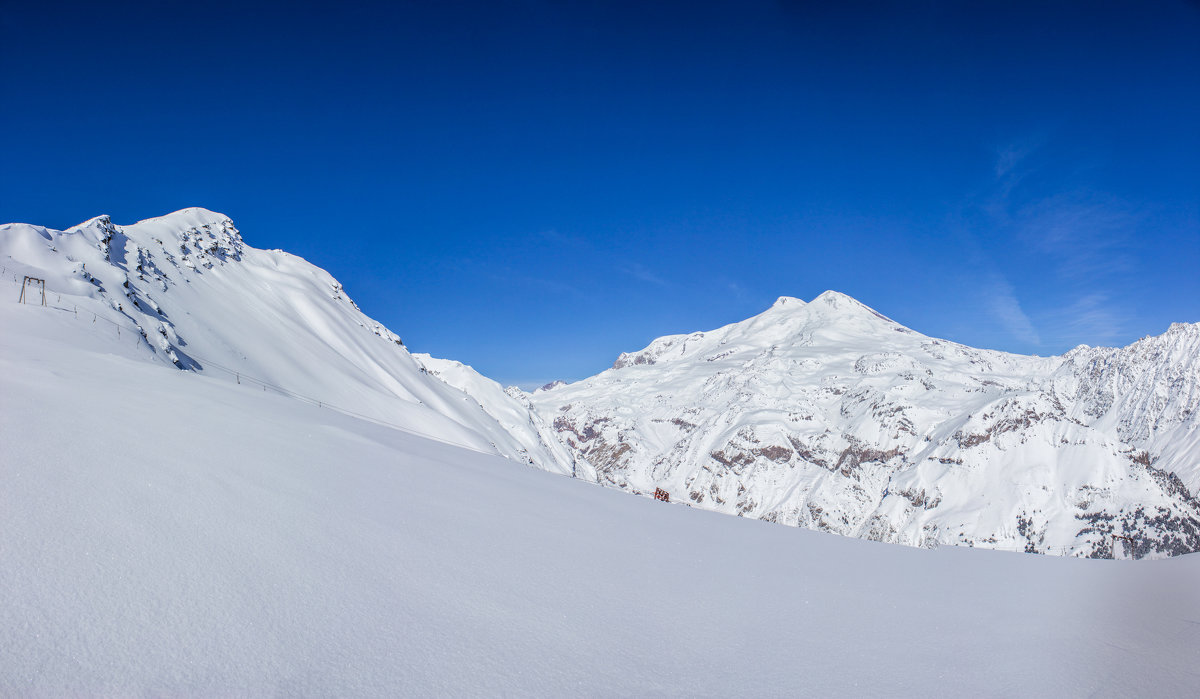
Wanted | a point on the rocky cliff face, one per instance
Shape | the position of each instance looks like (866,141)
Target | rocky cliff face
(831,416)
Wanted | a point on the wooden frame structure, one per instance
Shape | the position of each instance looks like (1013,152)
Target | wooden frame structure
(1132,545)
(33,281)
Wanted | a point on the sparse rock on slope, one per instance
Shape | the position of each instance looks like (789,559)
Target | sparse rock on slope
(830,416)
(188,288)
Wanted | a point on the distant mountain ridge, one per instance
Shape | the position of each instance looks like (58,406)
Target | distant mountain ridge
(831,416)
(826,415)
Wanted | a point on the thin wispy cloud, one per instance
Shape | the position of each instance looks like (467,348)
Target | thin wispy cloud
(583,247)
(640,271)
(1073,244)
(1012,157)
(1086,232)
(551,285)
(1008,311)
(558,238)
(510,276)
(1093,316)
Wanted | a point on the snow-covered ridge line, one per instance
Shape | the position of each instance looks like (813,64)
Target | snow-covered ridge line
(202,299)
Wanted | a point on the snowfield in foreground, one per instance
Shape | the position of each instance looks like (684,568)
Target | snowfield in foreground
(172,533)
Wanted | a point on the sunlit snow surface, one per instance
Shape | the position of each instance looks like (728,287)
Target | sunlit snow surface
(167,533)
(319,512)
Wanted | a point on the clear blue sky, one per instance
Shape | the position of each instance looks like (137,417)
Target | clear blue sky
(534,187)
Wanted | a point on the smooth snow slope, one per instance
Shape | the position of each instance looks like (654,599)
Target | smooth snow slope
(206,301)
(830,416)
(173,533)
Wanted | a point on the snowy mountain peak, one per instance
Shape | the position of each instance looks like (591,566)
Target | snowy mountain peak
(186,291)
(101,225)
(833,299)
(830,317)
(836,304)
(831,416)
(193,222)
(182,220)
(101,220)
(191,216)
(1190,329)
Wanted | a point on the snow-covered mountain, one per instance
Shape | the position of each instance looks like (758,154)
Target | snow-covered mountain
(825,415)
(188,291)
(830,416)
